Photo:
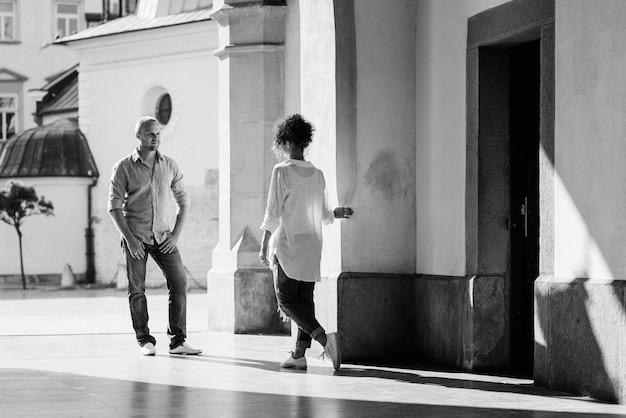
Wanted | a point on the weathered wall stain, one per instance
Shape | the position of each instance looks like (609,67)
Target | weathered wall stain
(384,175)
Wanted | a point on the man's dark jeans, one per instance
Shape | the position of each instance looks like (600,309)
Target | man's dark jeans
(172,267)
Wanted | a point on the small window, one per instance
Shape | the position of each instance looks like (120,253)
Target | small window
(7,21)
(8,113)
(164,109)
(66,19)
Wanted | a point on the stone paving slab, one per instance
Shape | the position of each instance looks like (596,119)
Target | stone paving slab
(80,311)
(53,364)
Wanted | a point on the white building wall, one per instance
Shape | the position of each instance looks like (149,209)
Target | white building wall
(49,242)
(441,45)
(291,89)
(117,81)
(379,236)
(589,140)
(580,314)
(318,105)
(93,6)
(382,236)
(417,105)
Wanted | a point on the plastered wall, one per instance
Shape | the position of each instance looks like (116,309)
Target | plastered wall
(318,105)
(590,149)
(114,81)
(292,52)
(377,177)
(409,154)
(49,242)
(440,59)
(385,165)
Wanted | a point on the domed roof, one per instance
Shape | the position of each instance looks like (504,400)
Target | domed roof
(56,150)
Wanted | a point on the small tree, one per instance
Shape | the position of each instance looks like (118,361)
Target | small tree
(17,201)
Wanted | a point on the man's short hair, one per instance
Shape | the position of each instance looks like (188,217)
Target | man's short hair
(144,121)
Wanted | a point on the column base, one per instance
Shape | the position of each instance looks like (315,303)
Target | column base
(242,301)
(462,322)
(372,312)
(240,292)
(459,322)
(580,336)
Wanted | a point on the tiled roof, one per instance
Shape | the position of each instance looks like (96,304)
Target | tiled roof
(66,99)
(133,23)
(56,150)
(61,93)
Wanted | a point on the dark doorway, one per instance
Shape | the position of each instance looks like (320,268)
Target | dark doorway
(524,134)
(510,112)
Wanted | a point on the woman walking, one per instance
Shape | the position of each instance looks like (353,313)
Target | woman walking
(297,207)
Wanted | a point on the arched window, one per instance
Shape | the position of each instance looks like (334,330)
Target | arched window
(163,110)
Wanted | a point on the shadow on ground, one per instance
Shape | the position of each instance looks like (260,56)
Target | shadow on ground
(94,396)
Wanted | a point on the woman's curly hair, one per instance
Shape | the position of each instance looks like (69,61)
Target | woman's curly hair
(294,129)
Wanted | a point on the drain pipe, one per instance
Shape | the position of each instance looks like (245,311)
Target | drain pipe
(90,253)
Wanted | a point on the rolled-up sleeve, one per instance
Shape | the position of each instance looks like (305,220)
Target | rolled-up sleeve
(117,188)
(275,199)
(178,188)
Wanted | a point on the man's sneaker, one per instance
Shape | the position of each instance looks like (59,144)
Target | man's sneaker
(147,349)
(185,348)
(294,363)
(333,350)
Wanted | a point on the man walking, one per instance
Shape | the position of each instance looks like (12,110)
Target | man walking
(140,204)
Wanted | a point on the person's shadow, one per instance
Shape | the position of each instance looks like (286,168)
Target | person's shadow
(415,377)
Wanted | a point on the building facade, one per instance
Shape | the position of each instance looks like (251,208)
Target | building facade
(33,70)
(479,143)
(156,62)
(56,161)
(27,57)
(25,63)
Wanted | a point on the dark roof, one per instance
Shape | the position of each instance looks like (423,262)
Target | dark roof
(55,78)
(133,23)
(56,150)
(62,94)
(65,100)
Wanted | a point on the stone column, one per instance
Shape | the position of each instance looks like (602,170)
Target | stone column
(251,37)
(358,282)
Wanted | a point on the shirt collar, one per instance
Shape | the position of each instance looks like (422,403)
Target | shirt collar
(135,155)
(300,163)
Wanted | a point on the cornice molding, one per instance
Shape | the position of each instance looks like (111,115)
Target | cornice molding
(12,76)
(246,49)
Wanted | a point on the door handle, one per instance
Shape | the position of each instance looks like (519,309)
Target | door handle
(524,213)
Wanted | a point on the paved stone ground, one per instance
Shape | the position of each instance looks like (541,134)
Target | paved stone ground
(50,311)
(72,354)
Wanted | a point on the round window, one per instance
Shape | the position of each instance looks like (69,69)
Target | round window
(163,109)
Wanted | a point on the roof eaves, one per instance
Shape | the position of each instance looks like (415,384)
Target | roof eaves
(97,34)
(16,76)
(56,111)
(54,78)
